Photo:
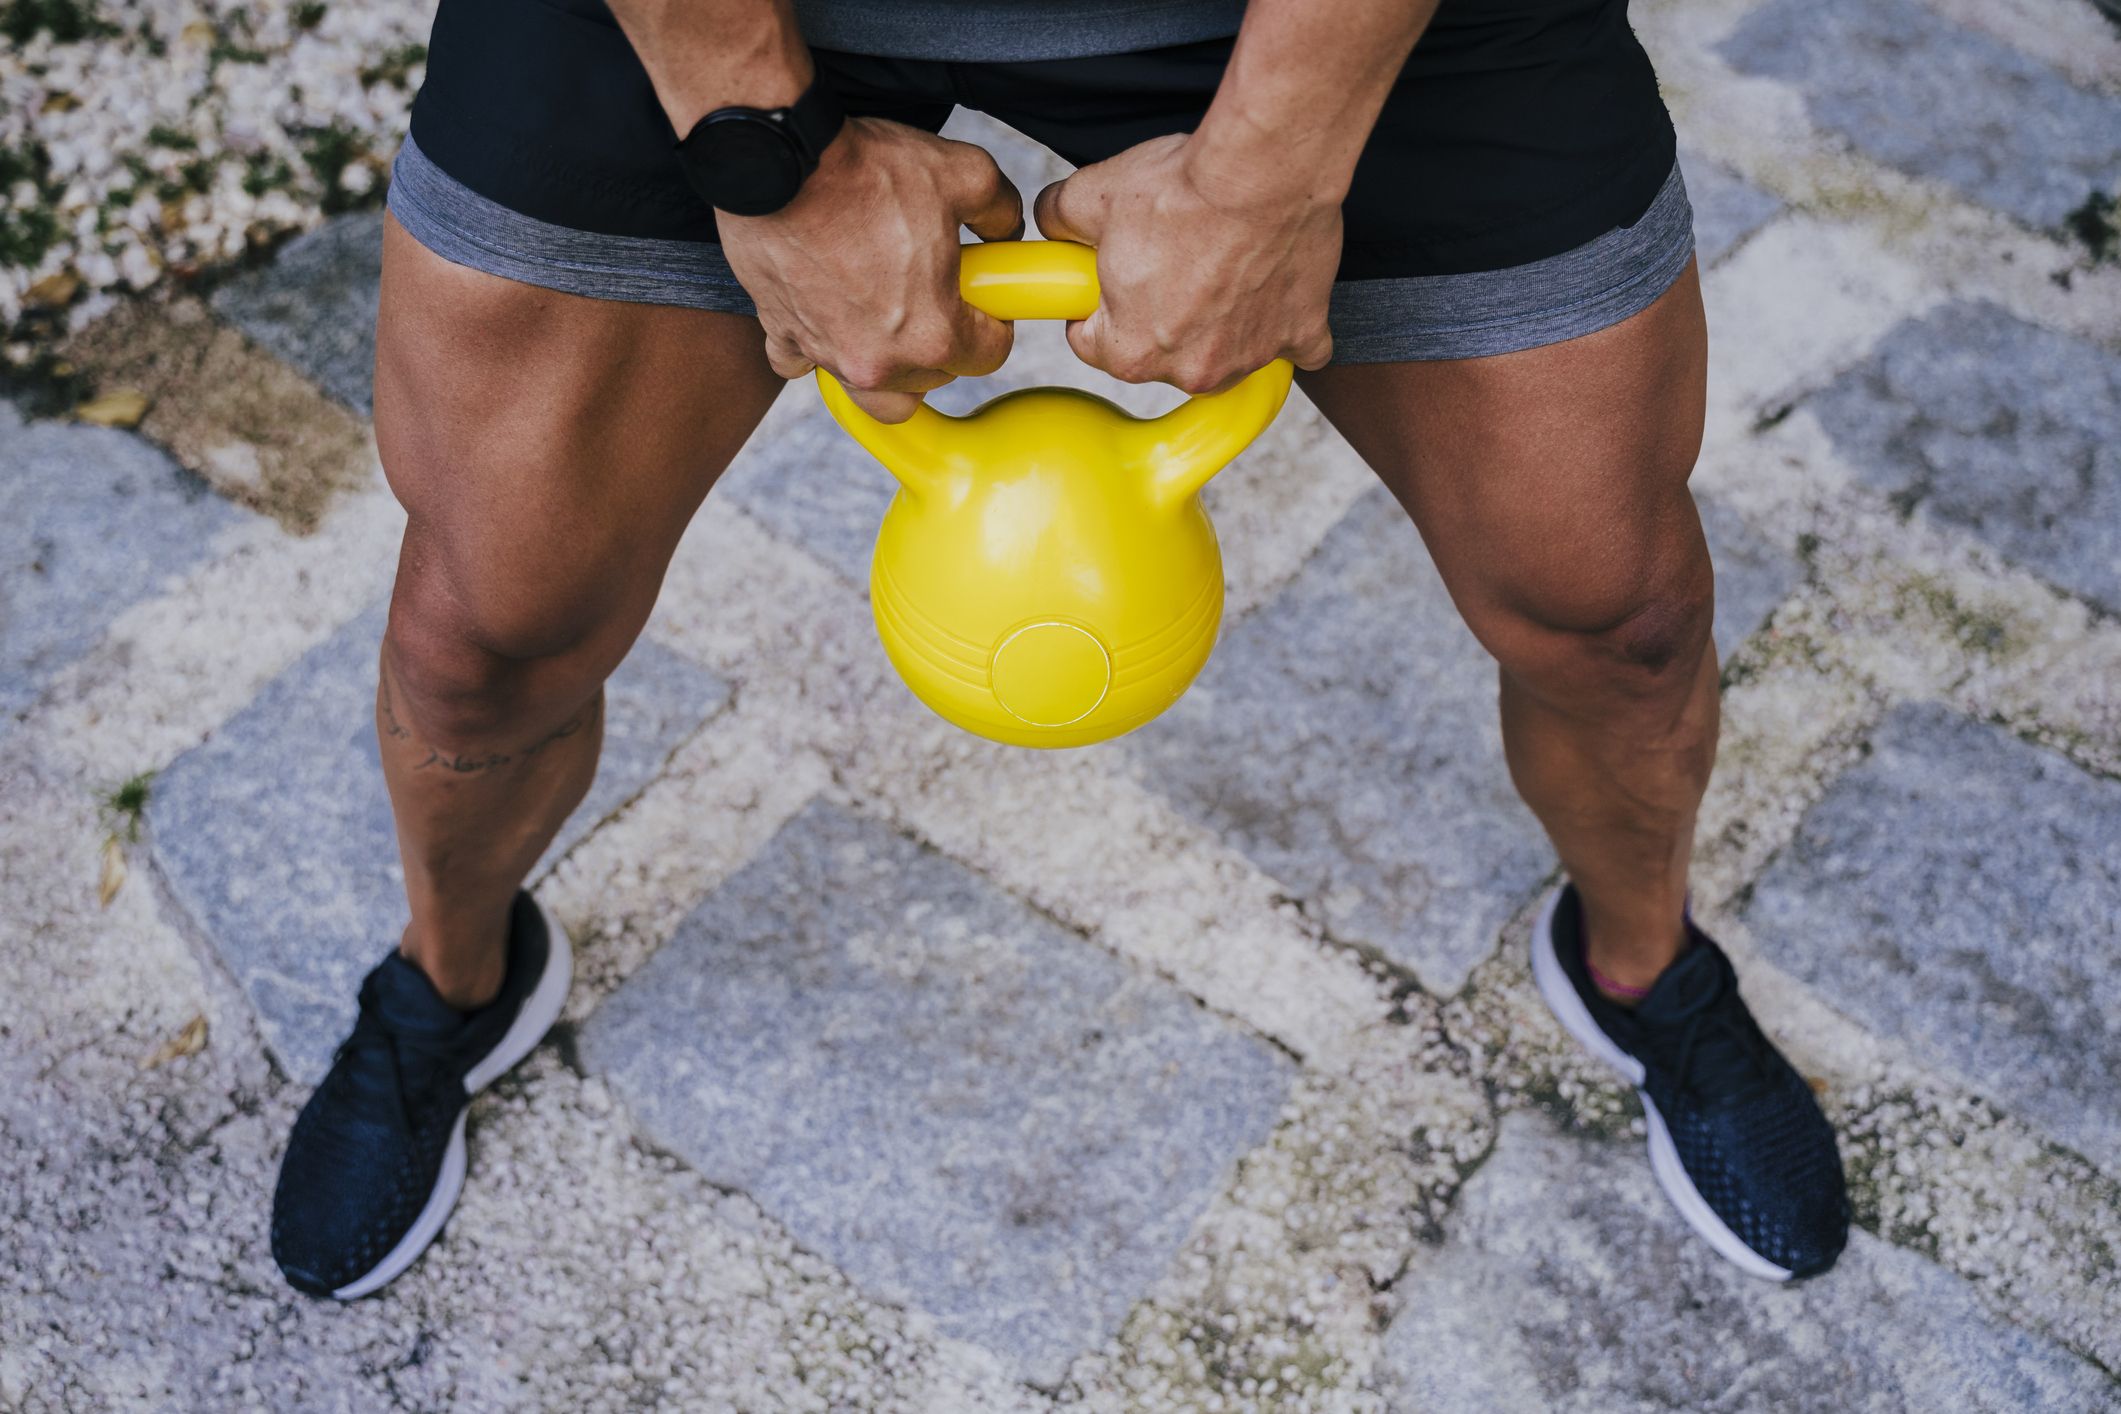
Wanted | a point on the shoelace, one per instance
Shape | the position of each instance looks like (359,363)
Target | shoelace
(371,1042)
(1732,1057)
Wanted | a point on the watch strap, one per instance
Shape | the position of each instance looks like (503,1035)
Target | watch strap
(802,131)
(814,120)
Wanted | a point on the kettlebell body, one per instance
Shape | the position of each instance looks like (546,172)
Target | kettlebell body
(1046,575)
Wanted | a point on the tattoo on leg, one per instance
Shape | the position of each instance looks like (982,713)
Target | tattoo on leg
(392,727)
(395,730)
(462,764)
(578,722)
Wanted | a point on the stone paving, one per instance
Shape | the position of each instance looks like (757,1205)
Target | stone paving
(294,871)
(1576,1303)
(315,306)
(1945,888)
(955,1099)
(93,520)
(1200,1071)
(1991,424)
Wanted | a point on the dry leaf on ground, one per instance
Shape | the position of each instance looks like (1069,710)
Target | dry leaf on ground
(54,291)
(187,1042)
(113,878)
(121,407)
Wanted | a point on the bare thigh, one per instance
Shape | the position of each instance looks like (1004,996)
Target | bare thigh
(1551,486)
(549,451)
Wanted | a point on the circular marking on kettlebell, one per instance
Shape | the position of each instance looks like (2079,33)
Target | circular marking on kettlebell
(1051,674)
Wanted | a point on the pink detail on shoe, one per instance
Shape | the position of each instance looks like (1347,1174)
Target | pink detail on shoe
(1609,984)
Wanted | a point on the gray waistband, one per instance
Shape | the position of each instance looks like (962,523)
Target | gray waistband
(465,228)
(1578,292)
(1564,296)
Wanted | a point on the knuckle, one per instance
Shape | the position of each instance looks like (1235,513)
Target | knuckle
(866,372)
(931,348)
(1133,365)
(995,352)
(978,170)
(1197,375)
(1124,357)
(1123,364)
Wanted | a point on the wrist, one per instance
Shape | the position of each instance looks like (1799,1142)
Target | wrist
(746,161)
(768,67)
(1238,162)
(835,163)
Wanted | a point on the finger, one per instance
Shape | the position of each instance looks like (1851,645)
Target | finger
(1081,337)
(883,406)
(983,343)
(986,201)
(786,359)
(1073,208)
(1092,341)
(885,377)
(1315,352)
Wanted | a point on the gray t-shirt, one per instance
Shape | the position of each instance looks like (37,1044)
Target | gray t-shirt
(1011,29)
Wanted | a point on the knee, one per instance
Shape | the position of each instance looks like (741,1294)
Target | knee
(471,668)
(1662,633)
(1627,631)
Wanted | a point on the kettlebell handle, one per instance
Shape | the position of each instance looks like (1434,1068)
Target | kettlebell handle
(1014,280)
(1029,279)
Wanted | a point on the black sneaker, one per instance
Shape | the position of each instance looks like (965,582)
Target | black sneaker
(376,1159)
(1737,1140)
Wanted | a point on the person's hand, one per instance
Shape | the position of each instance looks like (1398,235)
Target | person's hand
(858,275)
(1203,278)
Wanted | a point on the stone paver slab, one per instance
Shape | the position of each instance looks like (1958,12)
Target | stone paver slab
(1727,208)
(1958,890)
(1753,573)
(92,520)
(276,834)
(810,484)
(960,1104)
(1344,737)
(314,306)
(1566,1285)
(1913,90)
(2009,431)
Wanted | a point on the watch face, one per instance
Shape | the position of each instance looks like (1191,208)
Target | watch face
(745,164)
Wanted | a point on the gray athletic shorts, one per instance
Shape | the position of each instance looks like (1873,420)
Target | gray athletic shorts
(1471,315)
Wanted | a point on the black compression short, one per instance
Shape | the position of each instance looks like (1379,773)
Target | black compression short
(1519,129)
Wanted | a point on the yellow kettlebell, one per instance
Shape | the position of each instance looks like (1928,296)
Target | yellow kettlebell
(1046,575)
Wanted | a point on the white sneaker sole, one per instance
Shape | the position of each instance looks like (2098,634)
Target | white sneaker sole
(540,1009)
(1568,1008)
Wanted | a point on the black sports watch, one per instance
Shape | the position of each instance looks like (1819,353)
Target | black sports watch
(752,161)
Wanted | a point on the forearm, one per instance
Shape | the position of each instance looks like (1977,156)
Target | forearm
(1303,88)
(708,54)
